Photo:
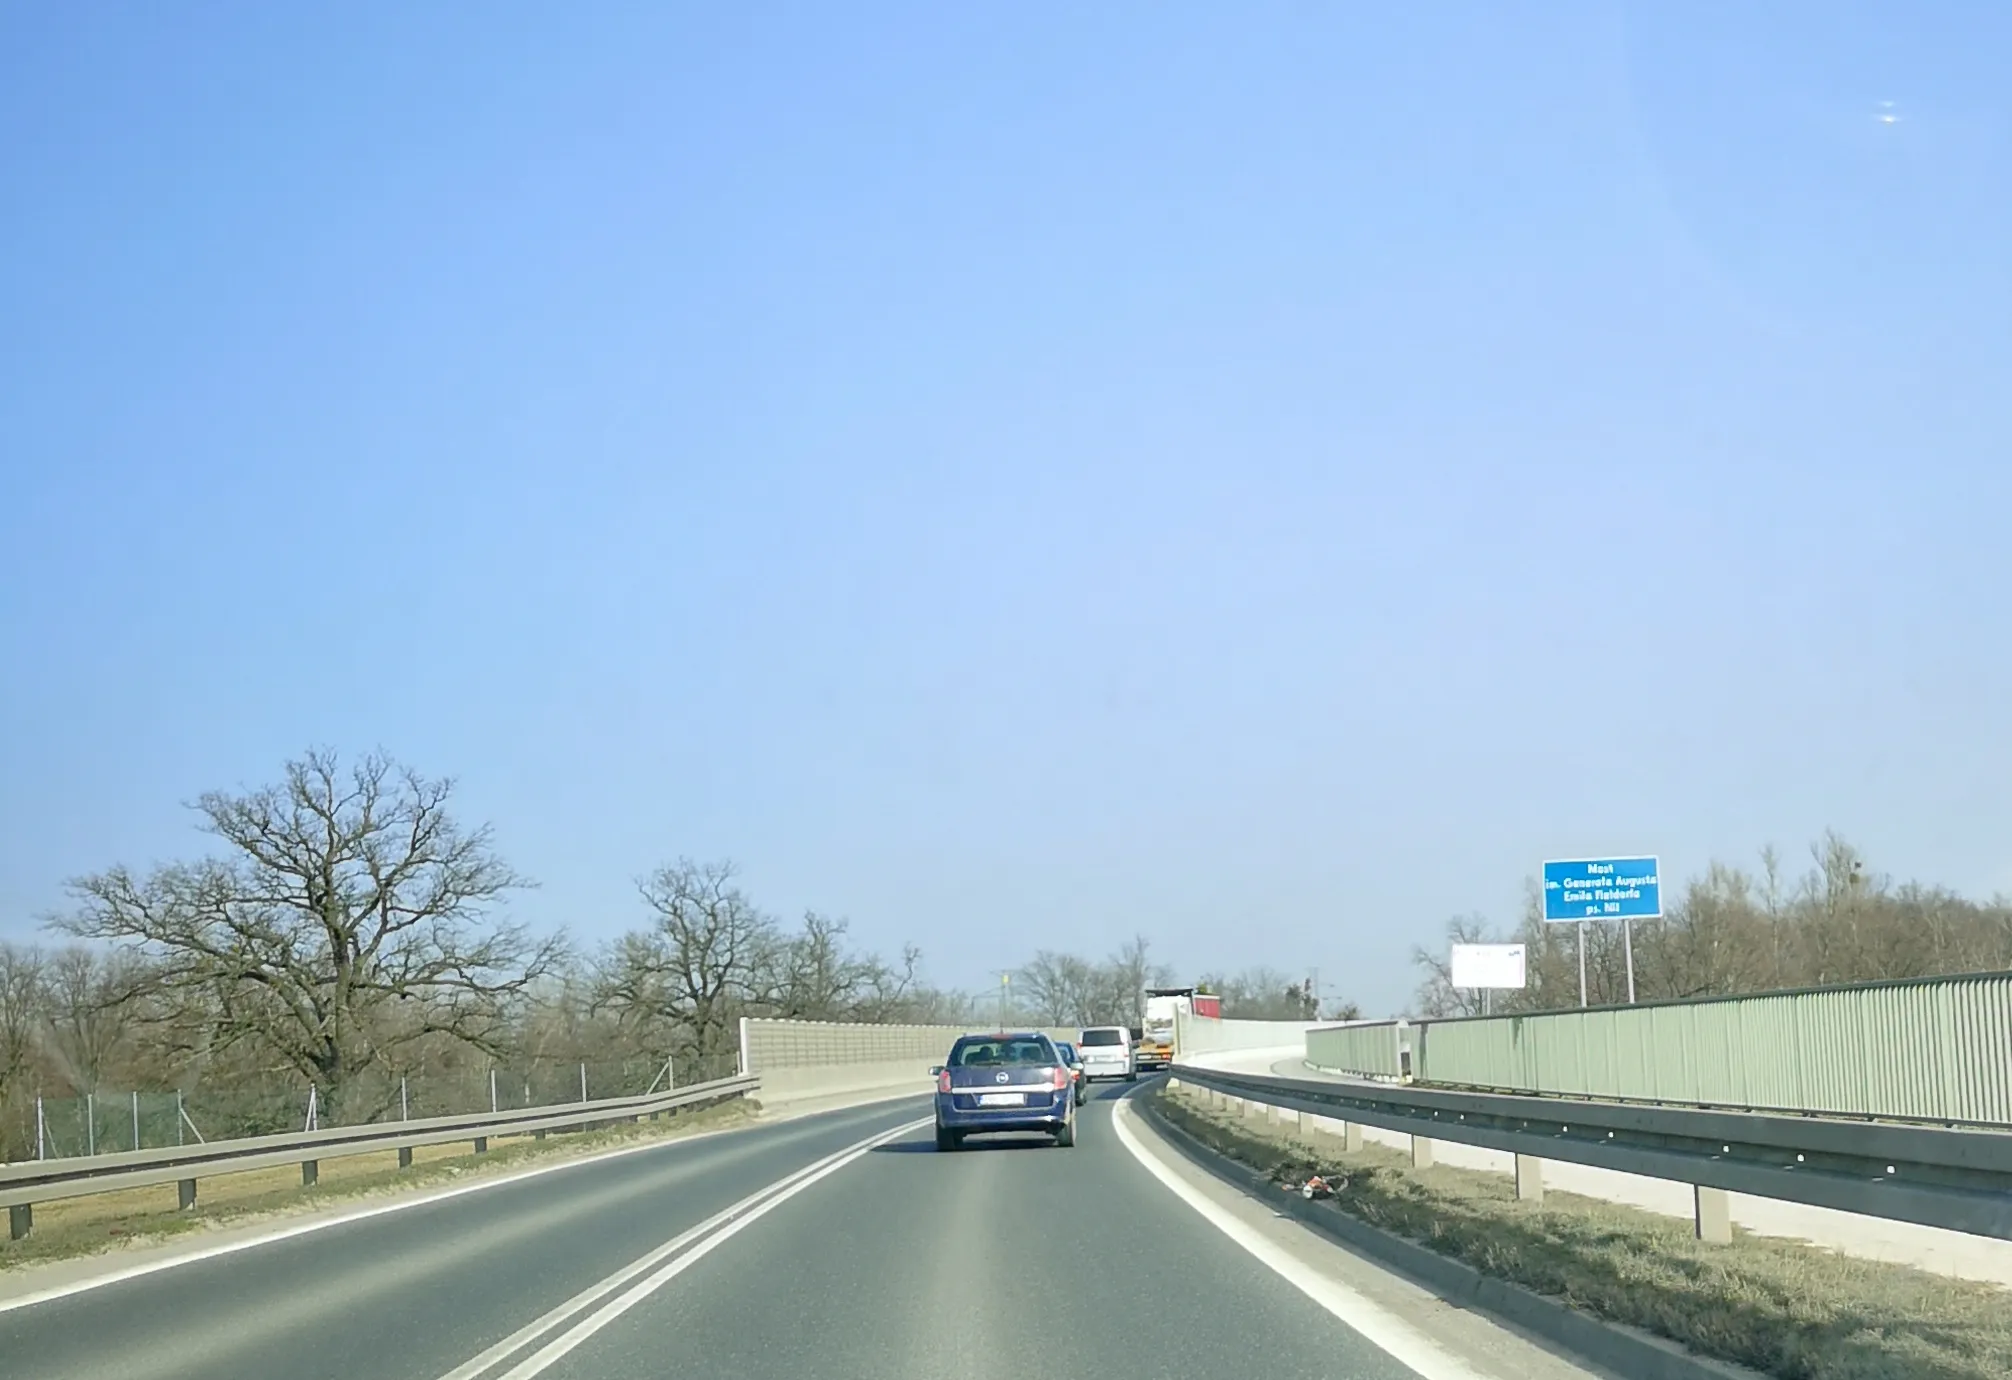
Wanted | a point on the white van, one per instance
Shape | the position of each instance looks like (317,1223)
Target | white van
(1106,1051)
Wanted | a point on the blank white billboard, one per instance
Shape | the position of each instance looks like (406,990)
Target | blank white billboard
(1487,965)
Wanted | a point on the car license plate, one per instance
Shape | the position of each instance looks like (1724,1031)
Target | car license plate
(1002,1099)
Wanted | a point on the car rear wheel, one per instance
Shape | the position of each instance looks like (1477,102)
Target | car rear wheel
(1066,1135)
(1132,1077)
(947,1139)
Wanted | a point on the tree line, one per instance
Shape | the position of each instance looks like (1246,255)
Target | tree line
(347,932)
(1737,930)
(1069,990)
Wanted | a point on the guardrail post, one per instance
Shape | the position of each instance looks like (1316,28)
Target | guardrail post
(20,1221)
(1351,1136)
(1714,1215)
(1270,1115)
(481,1145)
(405,1157)
(1421,1152)
(310,1171)
(1307,1129)
(1529,1179)
(185,1194)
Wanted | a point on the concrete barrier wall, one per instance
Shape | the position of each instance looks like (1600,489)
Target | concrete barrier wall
(803,1060)
(1198,1036)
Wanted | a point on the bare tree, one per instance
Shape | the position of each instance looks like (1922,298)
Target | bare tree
(1068,989)
(23,1002)
(1437,996)
(1131,972)
(1773,906)
(348,916)
(93,999)
(701,963)
(812,975)
(1059,986)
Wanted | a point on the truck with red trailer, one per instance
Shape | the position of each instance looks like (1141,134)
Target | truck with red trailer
(1155,1047)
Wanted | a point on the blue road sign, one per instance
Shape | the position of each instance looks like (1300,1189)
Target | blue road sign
(1603,889)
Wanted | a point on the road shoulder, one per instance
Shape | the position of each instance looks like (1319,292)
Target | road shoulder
(1476,1342)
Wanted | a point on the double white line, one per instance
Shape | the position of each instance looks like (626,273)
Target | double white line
(562,1329)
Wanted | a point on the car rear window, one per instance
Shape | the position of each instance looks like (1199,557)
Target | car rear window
(1103,1037)
(1000,1053)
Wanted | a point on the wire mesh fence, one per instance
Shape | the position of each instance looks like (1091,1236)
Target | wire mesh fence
(106,1122)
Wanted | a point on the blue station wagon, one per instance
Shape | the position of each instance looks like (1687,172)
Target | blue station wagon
(1014,1081)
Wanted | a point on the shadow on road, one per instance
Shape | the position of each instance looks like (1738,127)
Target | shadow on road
(1000,1140)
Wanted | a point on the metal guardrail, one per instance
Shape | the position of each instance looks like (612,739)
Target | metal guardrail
(1959,1179)
(41,1181)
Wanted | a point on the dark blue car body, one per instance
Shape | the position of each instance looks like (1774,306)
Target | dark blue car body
(1012,1081)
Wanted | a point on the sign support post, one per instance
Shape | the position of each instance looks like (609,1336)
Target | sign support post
(1582,963)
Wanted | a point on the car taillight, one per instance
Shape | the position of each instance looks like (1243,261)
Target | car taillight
(943,1081)
(1061,1077)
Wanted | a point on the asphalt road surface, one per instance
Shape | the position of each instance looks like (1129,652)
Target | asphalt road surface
(798,1249)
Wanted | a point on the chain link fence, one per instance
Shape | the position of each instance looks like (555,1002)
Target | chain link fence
(107,1123)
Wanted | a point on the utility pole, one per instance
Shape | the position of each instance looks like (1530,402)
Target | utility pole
(1005,986)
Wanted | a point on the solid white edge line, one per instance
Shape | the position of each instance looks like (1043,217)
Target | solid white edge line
(1376,1324)
(400,1204)
(532,1331)
(566,1341)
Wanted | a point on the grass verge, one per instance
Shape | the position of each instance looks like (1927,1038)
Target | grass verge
(135,1217)
(1779,1307)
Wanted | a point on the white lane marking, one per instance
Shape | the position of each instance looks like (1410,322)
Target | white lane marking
(530,1332)
(1380,1327)
(400,1204)
(566,1341)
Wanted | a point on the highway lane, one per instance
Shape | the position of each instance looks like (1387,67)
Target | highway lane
(1012,1260)
(851,1262)
(1004,1261)
(414,1293)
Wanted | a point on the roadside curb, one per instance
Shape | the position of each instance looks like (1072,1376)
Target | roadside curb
(1625,1350)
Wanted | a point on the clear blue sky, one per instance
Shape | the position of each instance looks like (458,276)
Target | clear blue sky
(1260,475)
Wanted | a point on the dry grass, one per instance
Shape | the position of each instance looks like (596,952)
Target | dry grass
(142,1216)
(1780,1307)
